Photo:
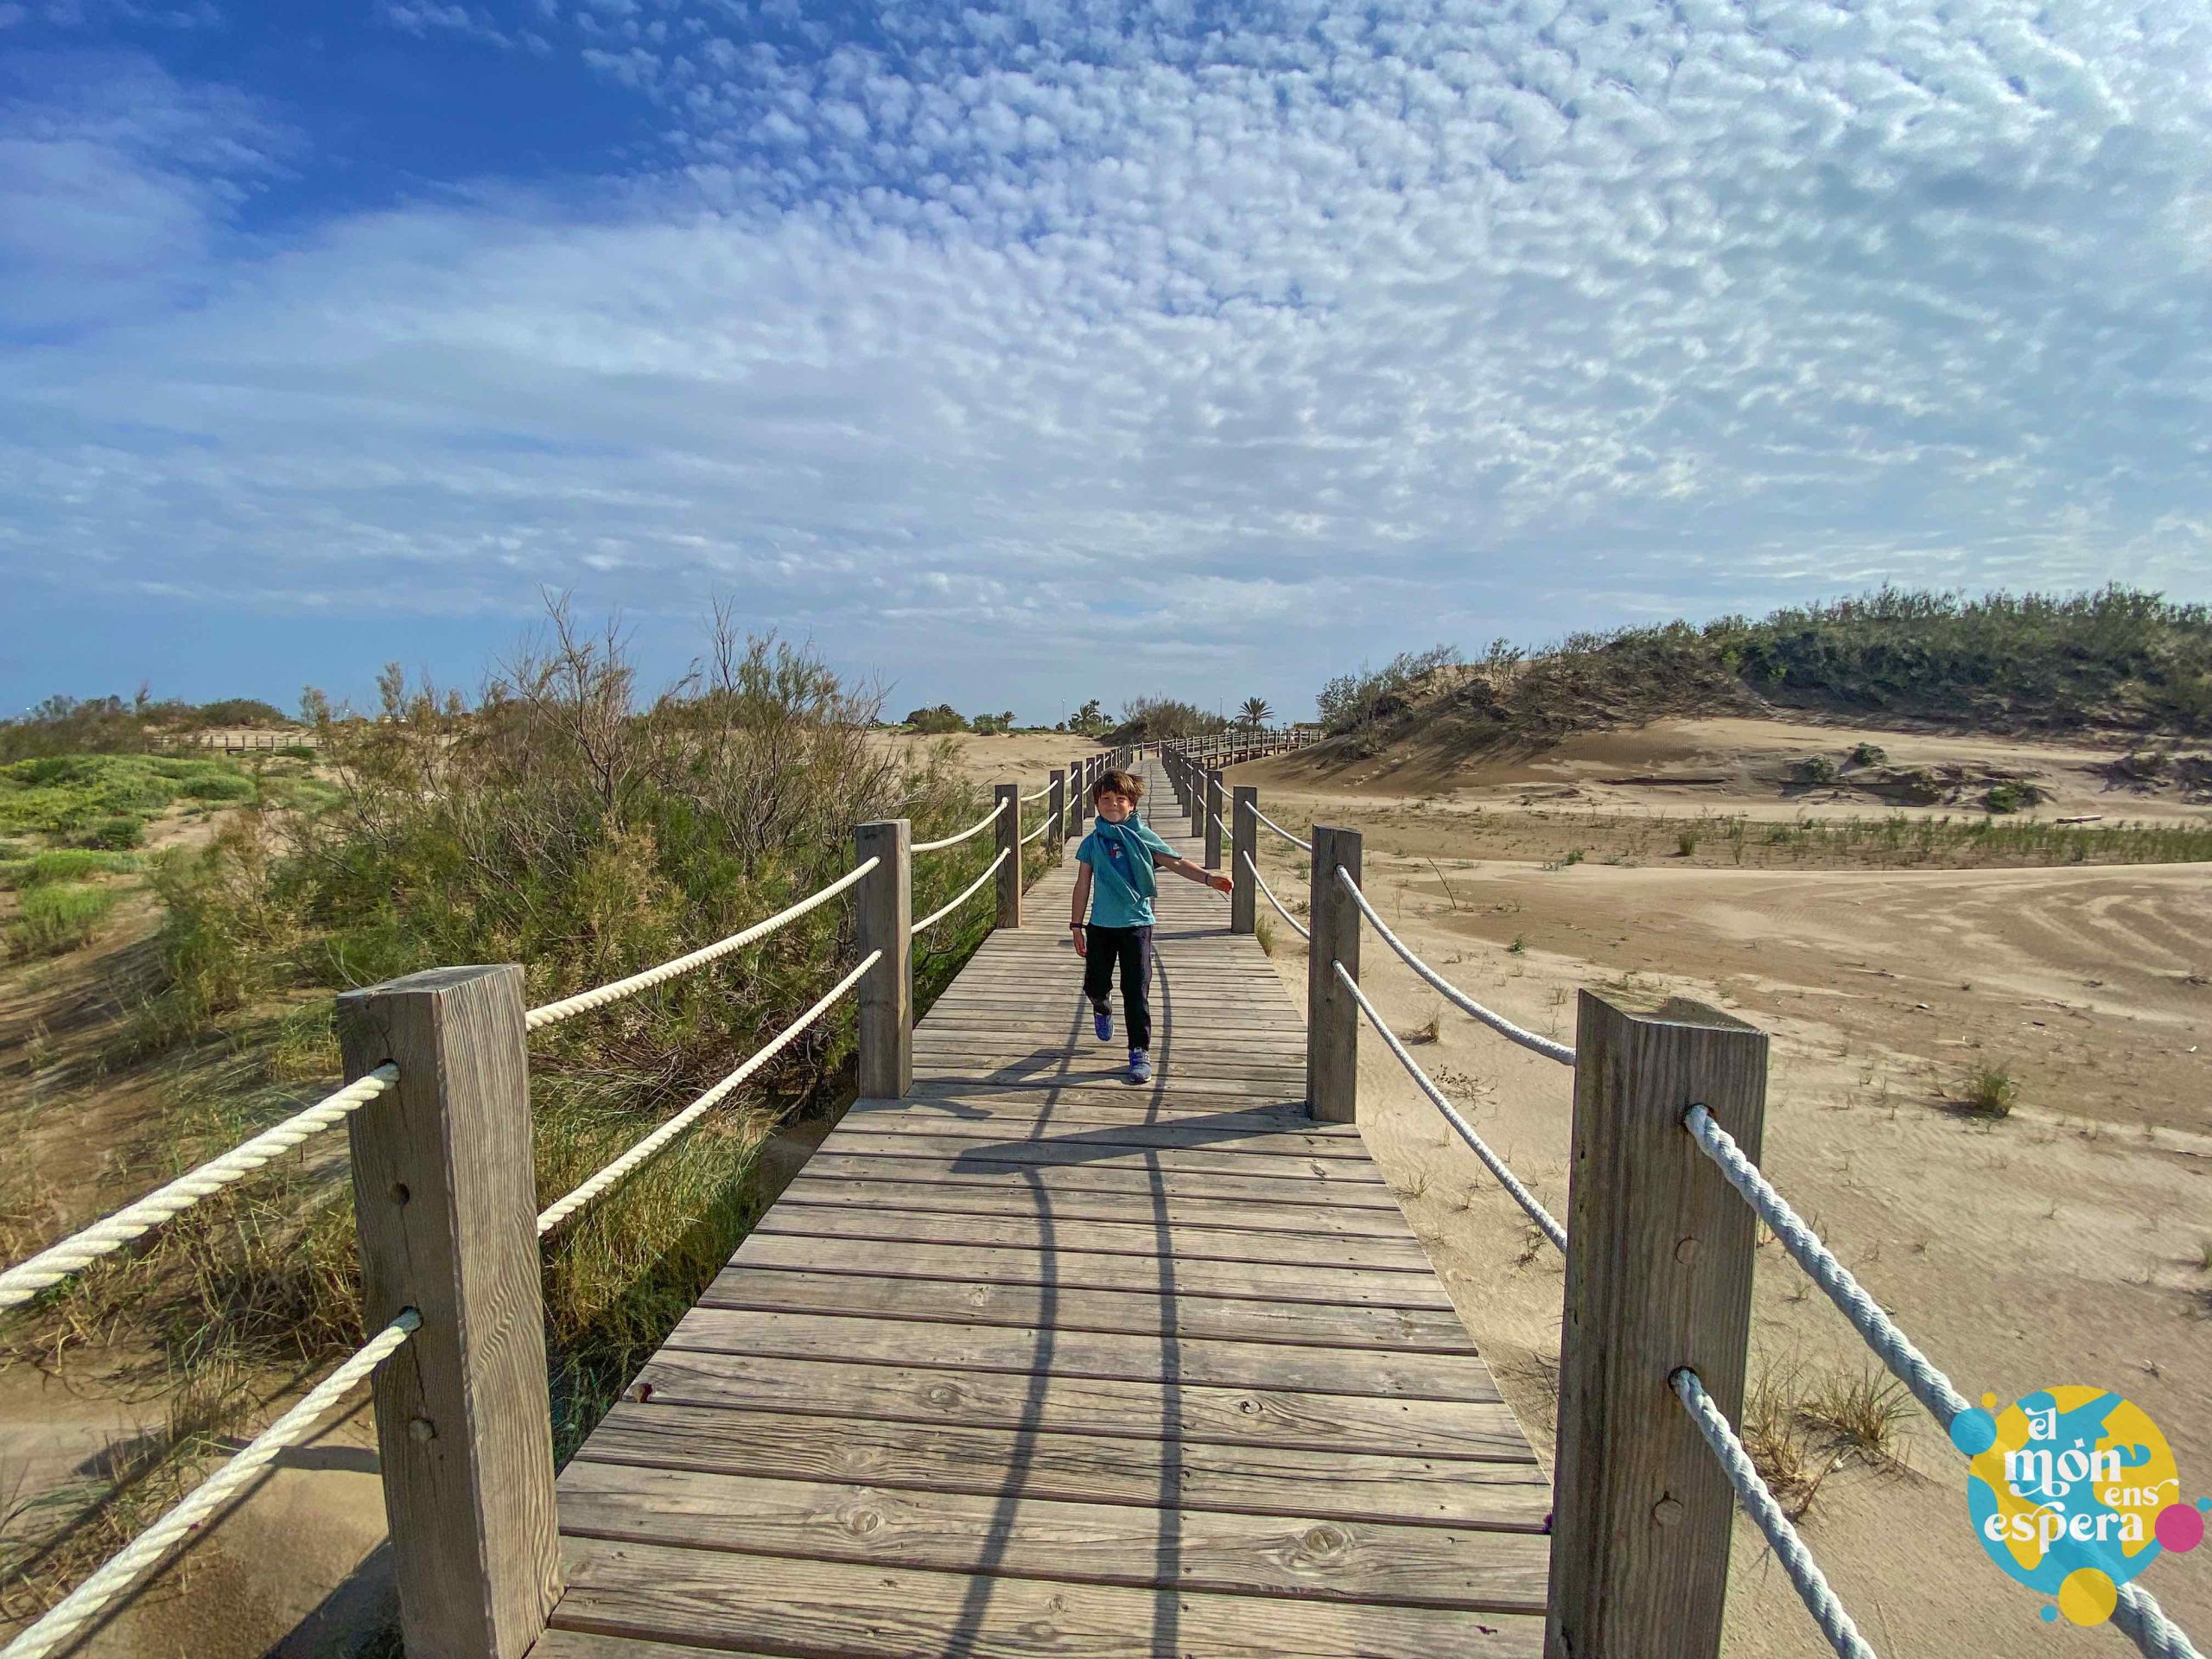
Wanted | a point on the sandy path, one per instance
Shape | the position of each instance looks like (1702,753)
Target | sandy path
(2064,1245)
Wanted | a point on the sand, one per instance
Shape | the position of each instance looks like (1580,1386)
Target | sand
(2065,1244)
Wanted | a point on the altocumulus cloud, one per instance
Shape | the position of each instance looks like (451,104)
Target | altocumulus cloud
(1226,336)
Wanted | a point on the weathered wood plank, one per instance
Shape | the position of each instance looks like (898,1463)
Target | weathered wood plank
(1163,1212)
(1333,1484)
(1304,1189)
(817,1607)
(1086,1152)
(1164,1310)
(1351,1261)
(1014,1534)
(970,1260)
(1217,1363)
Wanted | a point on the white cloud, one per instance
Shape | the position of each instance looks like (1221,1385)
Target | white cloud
(1312,341)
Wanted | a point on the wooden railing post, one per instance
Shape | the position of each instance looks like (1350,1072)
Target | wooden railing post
(446,1202)
(1331,1016)
(1244,855)
(1194,797)
(1009,827)
(1658,1276)
(1056,815)
(1213,820)
(883,909)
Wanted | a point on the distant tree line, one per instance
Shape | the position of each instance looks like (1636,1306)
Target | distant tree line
(109,725)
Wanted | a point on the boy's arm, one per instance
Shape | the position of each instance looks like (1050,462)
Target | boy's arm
(1081,906)
(1190,872)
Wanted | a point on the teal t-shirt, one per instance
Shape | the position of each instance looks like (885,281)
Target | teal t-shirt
(1122,884)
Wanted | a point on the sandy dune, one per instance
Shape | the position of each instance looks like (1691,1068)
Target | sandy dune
(2065,1244)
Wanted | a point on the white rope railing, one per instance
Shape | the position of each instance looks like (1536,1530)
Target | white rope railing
(1545,1223)
(1038,831)
(1039,795)
(1304,846)
(80,1250)
(2138,1615)
(1497,1022)
(584,1001)
(1262,882)
(647,1149)
(975,828)
(1758,1501)
(69,1616)
(967,892)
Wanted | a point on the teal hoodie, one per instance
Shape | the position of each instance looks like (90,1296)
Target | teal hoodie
(1123,886)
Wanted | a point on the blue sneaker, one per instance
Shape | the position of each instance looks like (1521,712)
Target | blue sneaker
(1102,1021)
(1140,1066)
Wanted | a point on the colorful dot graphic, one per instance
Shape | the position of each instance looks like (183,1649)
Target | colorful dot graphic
(1973,1431)
(2180,1527)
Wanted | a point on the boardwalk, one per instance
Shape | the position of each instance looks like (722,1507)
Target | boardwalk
(1032,1362)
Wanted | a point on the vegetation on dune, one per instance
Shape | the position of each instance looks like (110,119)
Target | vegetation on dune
(560,826)
(66,725)
(107,800)
(1153,720)
(2115,660)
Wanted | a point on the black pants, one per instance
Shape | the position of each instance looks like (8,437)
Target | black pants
(1132,948)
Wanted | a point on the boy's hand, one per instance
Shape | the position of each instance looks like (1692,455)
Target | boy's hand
(1082,939)
(1221,884)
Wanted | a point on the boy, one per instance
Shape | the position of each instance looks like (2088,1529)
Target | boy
(1122,854)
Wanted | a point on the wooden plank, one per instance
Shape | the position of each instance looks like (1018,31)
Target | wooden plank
(1029,1349)
(1100,1130)
(963,1152)
(970,1262)
(1015,1534)
(1046,1179)
(1159,1211)
(1349,1257)
(448,1225)
(1163,1095)
(1103,1075)
(990,1114)
(880,1612)
(1641,1558)
(1332,1483)
(1162,1310)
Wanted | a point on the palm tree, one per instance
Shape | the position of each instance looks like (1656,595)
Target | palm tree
(1256,712)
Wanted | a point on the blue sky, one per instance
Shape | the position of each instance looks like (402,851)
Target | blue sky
(1023,353)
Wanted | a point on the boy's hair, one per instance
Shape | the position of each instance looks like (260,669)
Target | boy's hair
(1126,785)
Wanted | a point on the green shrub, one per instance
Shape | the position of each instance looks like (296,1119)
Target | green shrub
(1868,755)
(1817,769)
(58,916)
(1988,1091)
(41,868)
(113,834)
(298,752)
(1686,843)
(2011,795)
(217,787)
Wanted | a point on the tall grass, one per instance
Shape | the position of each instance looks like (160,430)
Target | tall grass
(571,825)
(58,916)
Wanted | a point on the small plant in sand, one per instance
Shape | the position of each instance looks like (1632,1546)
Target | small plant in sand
(1988,1091)
(1519,946)
(1263,929)
(1778,1445)
(1816,769)
(1864,1413)
(1686,843)
(2011,795)
(1868,755)
(1424,1033)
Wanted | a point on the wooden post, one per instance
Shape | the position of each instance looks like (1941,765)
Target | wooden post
(1331,1016)
(446,1202)
(1213,820)
(1056,814)
(1658,1276)
(883,906)
(1194,798)
(1009,828)
(1244,850)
